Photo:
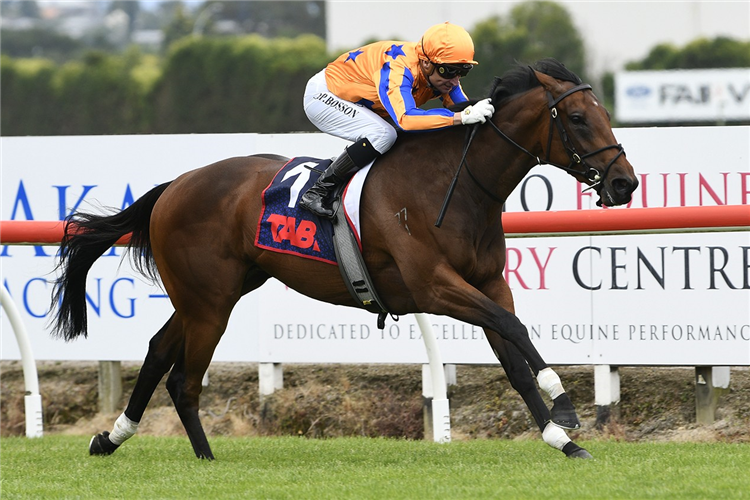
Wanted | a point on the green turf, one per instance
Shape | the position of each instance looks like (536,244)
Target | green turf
(299,468)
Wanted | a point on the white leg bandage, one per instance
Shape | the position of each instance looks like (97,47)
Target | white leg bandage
(550,383)
(124,429)
(555,436)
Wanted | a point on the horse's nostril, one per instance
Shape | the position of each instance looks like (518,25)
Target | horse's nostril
(623,186)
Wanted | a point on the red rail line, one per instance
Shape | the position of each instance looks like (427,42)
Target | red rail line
(517,224)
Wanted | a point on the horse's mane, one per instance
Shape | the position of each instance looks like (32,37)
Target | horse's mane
(521,78)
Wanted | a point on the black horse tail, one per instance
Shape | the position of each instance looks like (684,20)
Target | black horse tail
(87,237)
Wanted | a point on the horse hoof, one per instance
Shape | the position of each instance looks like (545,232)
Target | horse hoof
(101,445)
(580,454)
(564,414)
(572,450)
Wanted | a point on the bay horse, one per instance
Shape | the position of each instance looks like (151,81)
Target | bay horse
(197,232)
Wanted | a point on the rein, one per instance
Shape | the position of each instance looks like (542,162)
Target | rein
(575,159)
(469,138)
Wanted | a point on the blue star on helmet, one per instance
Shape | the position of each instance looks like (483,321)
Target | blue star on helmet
(395,51)
(353,55)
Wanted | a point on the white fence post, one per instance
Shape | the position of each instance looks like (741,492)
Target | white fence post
(32,400)
(606,393)
(110,386)
(450,374)
(710,383)
(270,378)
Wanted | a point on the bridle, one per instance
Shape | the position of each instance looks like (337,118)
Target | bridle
(576,166)
(575,159)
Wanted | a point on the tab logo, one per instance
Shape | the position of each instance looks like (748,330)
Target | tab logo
(302,235)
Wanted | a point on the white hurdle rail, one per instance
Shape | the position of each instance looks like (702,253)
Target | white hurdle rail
(440,406)
(32,399)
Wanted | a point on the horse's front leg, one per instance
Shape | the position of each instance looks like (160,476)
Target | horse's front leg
(522,381)
(458,299)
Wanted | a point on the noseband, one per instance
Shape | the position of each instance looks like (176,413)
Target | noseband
(577,163)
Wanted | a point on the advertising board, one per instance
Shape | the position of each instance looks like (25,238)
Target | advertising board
(674,299)
(715,95)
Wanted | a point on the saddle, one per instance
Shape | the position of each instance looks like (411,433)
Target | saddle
(285,227)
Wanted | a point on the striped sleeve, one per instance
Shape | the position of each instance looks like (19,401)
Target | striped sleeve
(457,95)
(395,92)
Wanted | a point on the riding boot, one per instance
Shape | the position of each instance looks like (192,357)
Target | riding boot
(352,159)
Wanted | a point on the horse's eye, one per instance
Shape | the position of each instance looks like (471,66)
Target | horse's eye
(576,119)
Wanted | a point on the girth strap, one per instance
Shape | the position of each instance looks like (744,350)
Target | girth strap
(352,265)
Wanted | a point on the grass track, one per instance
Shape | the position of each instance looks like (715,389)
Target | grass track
(298,468)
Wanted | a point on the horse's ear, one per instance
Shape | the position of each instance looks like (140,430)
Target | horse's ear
(549,83)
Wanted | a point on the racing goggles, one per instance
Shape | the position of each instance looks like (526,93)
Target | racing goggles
(449,71)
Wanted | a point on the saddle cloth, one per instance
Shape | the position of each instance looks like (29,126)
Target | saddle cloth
(286,228)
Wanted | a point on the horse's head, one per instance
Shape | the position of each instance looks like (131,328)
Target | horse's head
(580,138)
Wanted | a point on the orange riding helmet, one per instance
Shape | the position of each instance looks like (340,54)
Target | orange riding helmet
(448,44)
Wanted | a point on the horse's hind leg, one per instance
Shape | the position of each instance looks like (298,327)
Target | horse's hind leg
(185,382)
(162,352)
(521,380)
(205,306)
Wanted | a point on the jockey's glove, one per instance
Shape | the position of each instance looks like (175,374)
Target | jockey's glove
(477,113)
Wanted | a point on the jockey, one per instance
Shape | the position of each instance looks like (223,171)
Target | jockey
(365,94)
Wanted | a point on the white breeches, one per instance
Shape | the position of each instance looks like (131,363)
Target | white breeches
(345,119)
